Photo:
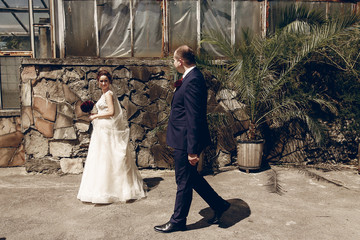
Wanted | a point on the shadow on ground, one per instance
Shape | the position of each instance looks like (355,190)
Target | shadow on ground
(152,183)
(238,211)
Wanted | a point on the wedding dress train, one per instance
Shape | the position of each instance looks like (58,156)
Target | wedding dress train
(110,174)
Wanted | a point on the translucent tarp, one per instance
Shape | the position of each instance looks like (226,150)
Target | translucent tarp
(148,28)
(215,17)
(183,24)
(80,28)
(247,16)
(104,27)
(114,28)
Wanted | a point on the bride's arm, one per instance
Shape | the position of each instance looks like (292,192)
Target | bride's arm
(110,111)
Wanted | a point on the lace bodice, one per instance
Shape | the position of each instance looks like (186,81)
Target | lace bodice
(101,105)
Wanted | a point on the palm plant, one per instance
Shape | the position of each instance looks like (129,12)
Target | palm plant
(260,71)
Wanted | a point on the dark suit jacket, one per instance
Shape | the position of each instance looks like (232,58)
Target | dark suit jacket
(187,127)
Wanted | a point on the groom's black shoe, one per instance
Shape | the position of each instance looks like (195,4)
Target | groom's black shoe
(169,227)
(219,213)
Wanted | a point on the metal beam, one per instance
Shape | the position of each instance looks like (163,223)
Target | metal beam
(44,3)
(198,26)
(14,15)
(52,29)
(132,28)
(233,26)
(31,23)
(165,26)
(16,53)
(23,10)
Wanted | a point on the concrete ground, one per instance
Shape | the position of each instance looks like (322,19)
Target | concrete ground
(45,207)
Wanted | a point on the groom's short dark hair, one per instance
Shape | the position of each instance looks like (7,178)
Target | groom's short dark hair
(185,53)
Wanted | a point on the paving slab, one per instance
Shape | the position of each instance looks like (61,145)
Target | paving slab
(45,207)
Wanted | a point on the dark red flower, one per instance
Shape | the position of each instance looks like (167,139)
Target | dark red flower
(178,83)
(87,106)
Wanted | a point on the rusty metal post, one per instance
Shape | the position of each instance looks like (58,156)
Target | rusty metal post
(52,29)
(31,25)
(132,28)
(264,17)
(358,157)
(233,26)
(165,26)
(198,21)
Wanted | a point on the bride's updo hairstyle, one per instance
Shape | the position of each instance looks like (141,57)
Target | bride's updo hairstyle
(104,73)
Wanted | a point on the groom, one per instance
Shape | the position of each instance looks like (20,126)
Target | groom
(188,134)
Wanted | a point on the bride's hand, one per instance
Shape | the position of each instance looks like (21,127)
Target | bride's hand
(92,117)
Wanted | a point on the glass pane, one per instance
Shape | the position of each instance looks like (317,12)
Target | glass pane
(148,28)
(14,28)
(9,78)
(42,34)
(80,30)
(183,24)
(215,16)
(247,15)
(114,28)
(14,43)
(40,3)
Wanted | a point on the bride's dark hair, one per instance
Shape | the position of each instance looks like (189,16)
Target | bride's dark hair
(104,73)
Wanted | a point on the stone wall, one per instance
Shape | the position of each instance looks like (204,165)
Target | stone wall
(11,140)
(53,134)
(57,133)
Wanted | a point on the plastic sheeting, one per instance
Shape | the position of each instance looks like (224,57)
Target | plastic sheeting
(115,28)
(80,30)
(215,16)
(105,28)
(247,16)
(148,29)
(183,24)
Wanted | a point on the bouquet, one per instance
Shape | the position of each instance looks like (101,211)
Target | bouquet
(87,106)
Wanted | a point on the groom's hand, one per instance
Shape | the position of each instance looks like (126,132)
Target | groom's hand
(193,159)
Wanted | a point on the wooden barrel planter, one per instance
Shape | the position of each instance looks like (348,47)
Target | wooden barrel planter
(249,154)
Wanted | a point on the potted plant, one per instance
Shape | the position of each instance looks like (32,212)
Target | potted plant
(260,73)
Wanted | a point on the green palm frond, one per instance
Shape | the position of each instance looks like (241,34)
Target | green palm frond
(297,18)
(260,70)
(221,41)
(325,105)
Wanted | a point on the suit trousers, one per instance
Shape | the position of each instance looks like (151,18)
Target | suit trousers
(187,179)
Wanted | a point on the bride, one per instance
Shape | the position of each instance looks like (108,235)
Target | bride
(110,174)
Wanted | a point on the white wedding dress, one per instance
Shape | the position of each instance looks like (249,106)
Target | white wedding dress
(110,174)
